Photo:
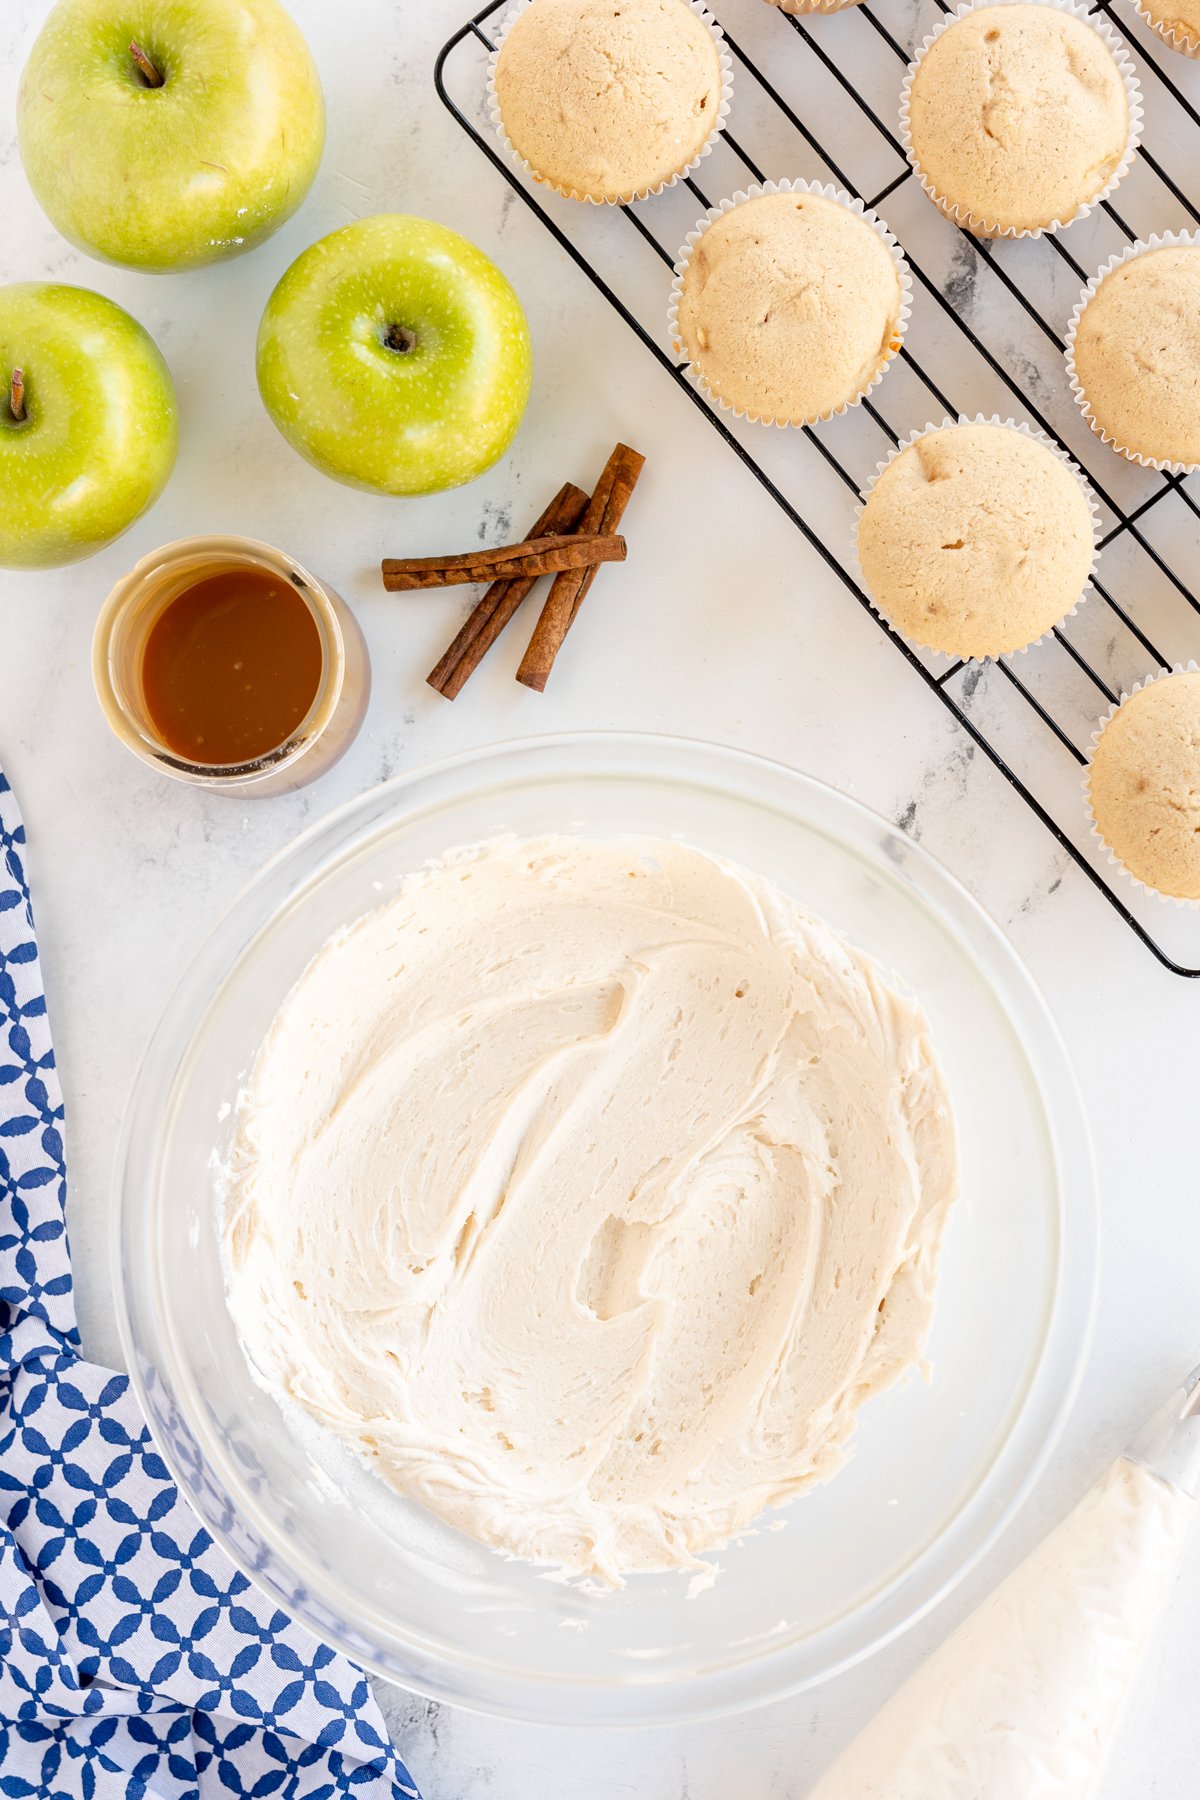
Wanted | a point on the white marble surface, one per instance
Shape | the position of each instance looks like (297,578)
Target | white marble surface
(131,871)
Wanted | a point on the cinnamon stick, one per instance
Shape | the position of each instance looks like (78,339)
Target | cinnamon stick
(493,612)
(566,596)
(534,557)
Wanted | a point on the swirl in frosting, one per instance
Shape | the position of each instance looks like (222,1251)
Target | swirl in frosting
(588,1188)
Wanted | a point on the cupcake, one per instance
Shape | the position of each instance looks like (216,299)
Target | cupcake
(1019,118)
(789,303)
(1133,353)
(800,7)
(1177,22)
(609,100)
(976,539)
(1143,784)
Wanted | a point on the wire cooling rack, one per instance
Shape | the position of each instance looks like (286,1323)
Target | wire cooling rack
(819,98)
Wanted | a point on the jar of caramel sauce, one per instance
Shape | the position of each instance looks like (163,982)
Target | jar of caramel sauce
(223,662)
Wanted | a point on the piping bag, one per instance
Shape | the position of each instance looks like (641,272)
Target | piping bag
(1024,1700)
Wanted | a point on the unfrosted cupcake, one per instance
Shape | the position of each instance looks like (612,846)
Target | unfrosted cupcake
(1134,355)
(1177,22)
(790,304)
(609,100)
(801,7)
(976,539)
(1143,784)
(1020,117)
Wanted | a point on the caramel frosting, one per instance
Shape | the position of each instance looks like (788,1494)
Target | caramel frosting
(588,1189)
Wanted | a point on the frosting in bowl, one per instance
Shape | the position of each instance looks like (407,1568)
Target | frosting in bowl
(588,1188)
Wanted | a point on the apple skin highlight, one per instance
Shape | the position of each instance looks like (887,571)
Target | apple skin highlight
(198,169)
(99,433)
(394,356)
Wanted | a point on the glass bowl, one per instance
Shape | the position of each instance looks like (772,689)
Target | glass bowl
(937,1468)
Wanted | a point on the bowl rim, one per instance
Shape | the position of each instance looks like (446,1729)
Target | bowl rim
(571,1700)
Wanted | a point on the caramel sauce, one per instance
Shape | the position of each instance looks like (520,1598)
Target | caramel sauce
(231,666)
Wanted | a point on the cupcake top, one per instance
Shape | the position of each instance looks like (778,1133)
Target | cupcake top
(811,6)
(1018,117)
(975,540)
(1144,785)
(1179,19)
(789,306)
(1137,355)
(608,99)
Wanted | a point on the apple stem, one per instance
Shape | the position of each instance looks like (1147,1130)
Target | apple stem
(400,339)
(145,68)
(16,395)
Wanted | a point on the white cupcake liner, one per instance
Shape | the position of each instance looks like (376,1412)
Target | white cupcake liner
(1169,240)
(962,215)
(1174,40)
(1038,437)
(1188,668)
(509,20)
(828,192)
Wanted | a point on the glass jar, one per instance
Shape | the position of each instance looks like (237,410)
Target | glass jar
(118,650)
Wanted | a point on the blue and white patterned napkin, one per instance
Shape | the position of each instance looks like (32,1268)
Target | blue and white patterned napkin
(135,1660)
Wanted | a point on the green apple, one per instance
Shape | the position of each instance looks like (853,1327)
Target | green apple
(87,423)
(395,356)
(166,133)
